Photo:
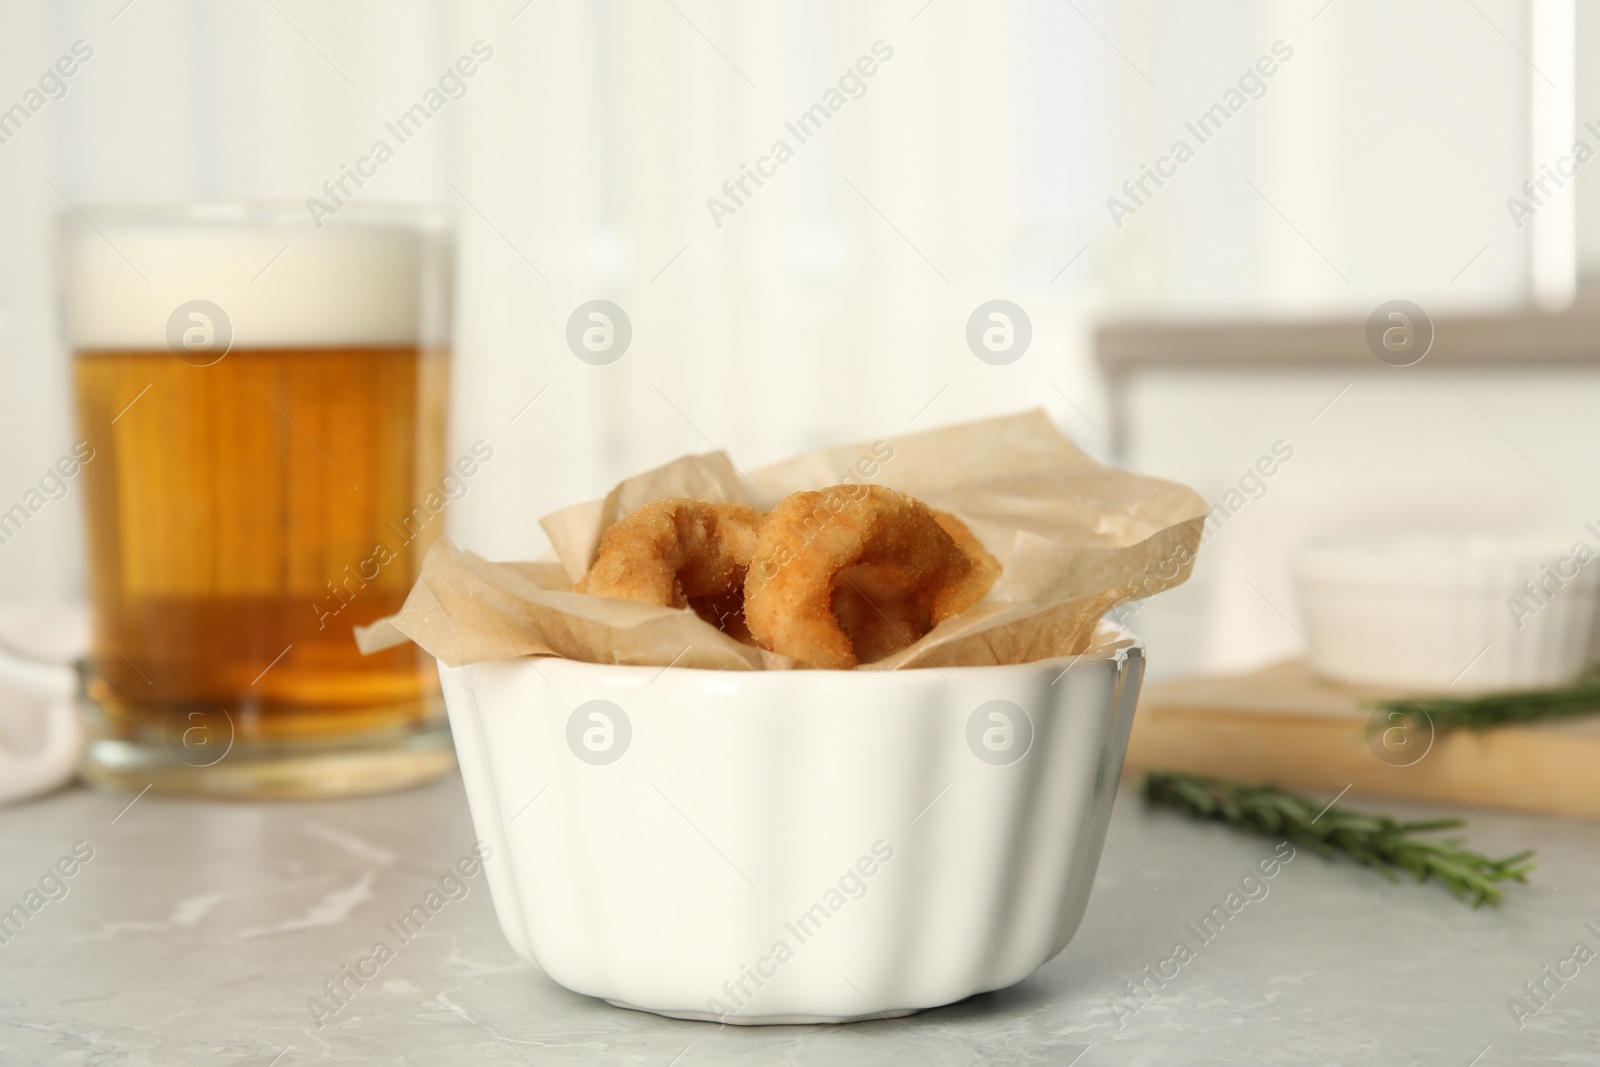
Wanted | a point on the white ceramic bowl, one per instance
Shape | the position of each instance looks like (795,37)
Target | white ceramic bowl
(792,846)
(1451,612)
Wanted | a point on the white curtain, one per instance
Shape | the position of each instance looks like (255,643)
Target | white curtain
(975,163)
(832,305)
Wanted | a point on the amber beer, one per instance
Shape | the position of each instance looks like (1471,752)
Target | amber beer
(266,405)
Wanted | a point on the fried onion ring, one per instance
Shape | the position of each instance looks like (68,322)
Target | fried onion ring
(877,614)
(988,566)
(814,544)
(724,611)
(675,550)
(882,616)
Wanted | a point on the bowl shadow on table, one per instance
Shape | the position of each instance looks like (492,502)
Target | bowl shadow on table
(1031,995)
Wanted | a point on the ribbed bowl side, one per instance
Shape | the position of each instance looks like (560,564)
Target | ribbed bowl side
(488,823)
(1467,635)
(1557,642)
(810,844)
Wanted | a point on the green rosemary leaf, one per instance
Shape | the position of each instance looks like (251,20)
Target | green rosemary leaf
(1581,697)
(1377,841)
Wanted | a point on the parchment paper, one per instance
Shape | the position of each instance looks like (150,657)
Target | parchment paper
(1074,538)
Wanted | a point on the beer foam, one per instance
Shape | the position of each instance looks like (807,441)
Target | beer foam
(368,278)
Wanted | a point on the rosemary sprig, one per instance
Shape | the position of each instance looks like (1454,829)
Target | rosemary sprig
(1580,697)
(1376,841)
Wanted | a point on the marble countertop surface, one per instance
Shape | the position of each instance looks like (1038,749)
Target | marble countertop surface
(196,933)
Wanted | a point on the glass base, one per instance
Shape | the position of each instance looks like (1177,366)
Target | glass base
(351,765)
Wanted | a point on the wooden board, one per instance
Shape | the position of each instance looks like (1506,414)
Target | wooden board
(1287,726)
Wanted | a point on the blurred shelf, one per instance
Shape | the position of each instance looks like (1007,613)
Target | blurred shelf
(1510,339)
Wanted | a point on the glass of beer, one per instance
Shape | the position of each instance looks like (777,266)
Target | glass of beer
(261,405)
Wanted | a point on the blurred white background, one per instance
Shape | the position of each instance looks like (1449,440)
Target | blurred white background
(1375,162)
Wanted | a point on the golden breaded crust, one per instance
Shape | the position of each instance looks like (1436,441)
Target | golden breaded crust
(673,549)
(811,537)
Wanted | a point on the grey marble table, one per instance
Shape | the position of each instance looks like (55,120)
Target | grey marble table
(198,932)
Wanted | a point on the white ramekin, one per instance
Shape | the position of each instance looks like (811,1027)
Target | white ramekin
(668,861)
(1451,612)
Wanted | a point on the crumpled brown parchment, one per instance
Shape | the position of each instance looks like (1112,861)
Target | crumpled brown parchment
(1074,537)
